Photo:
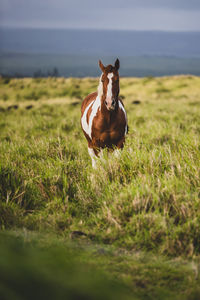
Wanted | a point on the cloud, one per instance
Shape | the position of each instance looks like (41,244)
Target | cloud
(176,15)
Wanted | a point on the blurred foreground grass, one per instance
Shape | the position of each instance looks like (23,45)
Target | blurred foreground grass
(38,266)
(148,200)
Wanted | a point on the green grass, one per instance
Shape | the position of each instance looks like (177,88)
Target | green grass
(47,266)
(145,204)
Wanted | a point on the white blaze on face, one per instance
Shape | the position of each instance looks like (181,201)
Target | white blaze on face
(109,87)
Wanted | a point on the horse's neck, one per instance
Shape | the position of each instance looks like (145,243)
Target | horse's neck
(105,113)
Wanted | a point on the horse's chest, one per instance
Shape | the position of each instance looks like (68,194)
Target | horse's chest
(108,130)
(106,137)
(110,137)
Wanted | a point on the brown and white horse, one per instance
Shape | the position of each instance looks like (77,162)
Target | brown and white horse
(103,117)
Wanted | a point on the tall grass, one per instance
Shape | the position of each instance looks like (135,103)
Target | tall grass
(146,200)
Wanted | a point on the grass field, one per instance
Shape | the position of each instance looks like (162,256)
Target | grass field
(134,222)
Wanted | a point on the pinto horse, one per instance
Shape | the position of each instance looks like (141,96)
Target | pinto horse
(103,116)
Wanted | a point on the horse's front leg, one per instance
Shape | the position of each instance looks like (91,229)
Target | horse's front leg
(94,152)
(119,147)
(93,156)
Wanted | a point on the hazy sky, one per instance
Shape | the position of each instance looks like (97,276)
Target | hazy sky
(173,15)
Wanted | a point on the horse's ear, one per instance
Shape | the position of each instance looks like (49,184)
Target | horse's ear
(117,64)
(101,66)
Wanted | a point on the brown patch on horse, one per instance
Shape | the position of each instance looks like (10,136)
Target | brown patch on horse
(91,97)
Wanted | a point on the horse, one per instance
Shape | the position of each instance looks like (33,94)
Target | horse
(103,116)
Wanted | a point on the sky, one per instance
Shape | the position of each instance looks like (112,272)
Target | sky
(165,15)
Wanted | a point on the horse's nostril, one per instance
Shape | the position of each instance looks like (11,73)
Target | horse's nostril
(113,102)
(106,103)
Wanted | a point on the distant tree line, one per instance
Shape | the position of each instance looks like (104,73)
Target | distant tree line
(36,74)
(53,73)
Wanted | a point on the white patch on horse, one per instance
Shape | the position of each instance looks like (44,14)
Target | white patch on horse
(100,88)
(84,123)
(87,127)
(117,153)
(109,88)
(123,109)
(96,105)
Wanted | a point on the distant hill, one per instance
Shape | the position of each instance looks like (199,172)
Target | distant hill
(75,52)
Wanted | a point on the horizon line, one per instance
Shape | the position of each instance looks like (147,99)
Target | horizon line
(98,29)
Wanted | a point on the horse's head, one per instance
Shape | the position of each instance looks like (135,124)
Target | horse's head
(109,85)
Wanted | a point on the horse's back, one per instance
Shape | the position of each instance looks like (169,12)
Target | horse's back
(91,97)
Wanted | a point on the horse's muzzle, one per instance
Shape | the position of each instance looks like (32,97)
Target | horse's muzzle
(110,104)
